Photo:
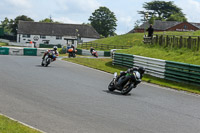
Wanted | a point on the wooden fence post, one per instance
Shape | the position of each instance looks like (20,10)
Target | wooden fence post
(195,44)
(173,43)
(167,41)
(189,42)
(181,42)
(198,43)
(160,40)
(156,39)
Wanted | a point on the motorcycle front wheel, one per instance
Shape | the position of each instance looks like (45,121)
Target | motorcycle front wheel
(42,63)
(111,86)
(127,88)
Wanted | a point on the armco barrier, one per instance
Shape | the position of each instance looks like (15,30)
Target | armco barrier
(16,51)
(87,52)
(21,51)
(79,51)
(4,51)
(182,72)
(154,67)
(170,70)
(30,51)
(40,52)
(125,60)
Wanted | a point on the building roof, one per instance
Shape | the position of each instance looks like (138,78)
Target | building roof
(160,25)
(196,25)
(56,29)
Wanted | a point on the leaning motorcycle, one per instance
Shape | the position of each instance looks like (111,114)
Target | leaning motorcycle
(48,59)
(71,53)
(94,53)
(130,83)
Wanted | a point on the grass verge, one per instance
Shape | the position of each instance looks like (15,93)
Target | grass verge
(3,44)
(106,65)
(10,126)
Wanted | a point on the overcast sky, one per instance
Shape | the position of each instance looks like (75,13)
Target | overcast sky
(78,11)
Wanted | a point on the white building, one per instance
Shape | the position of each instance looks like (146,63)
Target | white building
(55,33)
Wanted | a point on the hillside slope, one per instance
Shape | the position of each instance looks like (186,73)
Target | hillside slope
(139,48)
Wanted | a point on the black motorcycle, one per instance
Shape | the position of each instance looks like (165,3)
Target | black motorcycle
(128,82)
(48,59)
(71,53)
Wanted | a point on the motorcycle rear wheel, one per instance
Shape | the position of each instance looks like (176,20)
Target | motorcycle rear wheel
(111,86)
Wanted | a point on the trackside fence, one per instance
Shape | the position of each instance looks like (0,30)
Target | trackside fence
(172,41)
(87,45)
(21,51)
(174,71)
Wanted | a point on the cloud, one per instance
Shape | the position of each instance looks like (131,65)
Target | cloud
(191,8)
(66,20)
(77,5)
(17,3)
(78,11)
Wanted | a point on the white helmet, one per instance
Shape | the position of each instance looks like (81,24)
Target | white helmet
(55,47)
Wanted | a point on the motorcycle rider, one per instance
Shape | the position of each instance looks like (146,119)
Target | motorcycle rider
(53,51)
(91,50)
(138,74)
(72,46)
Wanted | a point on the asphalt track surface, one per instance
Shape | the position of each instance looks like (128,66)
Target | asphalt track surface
(70,98)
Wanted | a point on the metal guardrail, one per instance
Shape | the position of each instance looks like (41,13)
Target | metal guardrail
(21,51)
(182,72)
(174,71)
(125,60)
(154,67)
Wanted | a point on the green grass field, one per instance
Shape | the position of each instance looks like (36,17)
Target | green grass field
(10,126)
(3,44)
(139,48)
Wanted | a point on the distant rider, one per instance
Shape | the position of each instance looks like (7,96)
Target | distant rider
(54,52)
(72,46)
(91,50)
(124,76)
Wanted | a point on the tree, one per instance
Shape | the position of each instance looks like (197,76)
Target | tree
(177,17)
(104,21)
(6,24)
(14,26)
(162,10)
(137,24)
(46,20)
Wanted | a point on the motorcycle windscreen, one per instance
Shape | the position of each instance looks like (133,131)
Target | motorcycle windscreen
(115,75)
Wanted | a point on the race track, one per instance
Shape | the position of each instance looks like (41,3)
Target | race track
(70,98)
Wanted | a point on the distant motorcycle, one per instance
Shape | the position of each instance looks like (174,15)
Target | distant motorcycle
(48,59)
(71,53)
(94,53)
(130,80)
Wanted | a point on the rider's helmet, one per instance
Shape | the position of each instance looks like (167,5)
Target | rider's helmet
(55,47)
(141,70)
